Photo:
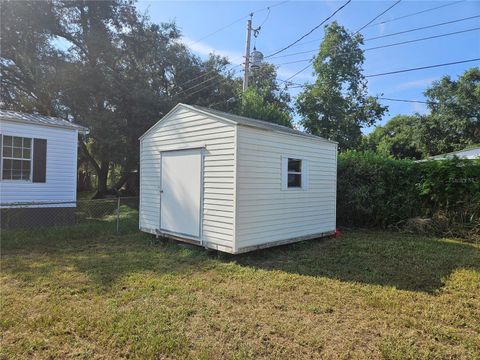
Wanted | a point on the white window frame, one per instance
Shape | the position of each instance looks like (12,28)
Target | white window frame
(15,158)
(304,173)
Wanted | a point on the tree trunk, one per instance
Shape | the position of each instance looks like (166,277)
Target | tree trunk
(102,176)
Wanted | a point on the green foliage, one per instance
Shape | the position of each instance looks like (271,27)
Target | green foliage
(264,80)
(453,124)
(455,113)
(255,105)
(106,66)
(337,106)
(400,137)
(375,190)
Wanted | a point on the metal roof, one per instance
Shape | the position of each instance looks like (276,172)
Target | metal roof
(468,153)
(260,124)
(39,120)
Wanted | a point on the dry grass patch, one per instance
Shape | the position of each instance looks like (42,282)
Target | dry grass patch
(365,295)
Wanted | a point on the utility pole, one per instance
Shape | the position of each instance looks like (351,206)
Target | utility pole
(247,54)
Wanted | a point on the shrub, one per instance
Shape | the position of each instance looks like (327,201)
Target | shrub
(374,190)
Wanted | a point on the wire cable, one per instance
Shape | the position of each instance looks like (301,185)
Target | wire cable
(416,13)
(376,17)
(308,33)
(397,33)
(408,101)
(296,85)
(422,28)
(421,39)
(386,45)
(422,68)
(238,20)
(298,72)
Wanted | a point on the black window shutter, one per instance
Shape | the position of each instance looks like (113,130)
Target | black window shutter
(39,160)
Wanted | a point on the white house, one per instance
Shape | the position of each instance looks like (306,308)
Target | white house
(469,153)
(235,184)
(38,168)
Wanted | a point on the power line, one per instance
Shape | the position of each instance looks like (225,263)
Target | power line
(298,72)
(238,20)
(421,39)
(392,34)
(408,101)
(422,67)
(220,29)
(422,28)
(201,83)
(293,62)
(416,13)
(386,45)
(376,17)
(292,54)
(311,31)
(387,73)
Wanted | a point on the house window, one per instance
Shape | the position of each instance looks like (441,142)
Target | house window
(16,158)
(294,175)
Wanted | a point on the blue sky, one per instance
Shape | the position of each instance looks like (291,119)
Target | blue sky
(287,21)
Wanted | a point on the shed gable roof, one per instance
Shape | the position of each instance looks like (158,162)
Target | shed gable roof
(37,119)
(260,124)
(240,120)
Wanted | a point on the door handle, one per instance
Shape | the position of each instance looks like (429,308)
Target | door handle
(161,191)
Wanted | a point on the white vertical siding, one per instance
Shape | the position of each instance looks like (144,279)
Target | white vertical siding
(188,129)
(61,179)
(267,213)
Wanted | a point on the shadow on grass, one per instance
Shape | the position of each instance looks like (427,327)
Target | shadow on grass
(407,262)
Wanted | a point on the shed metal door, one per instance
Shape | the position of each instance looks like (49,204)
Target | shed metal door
(181,192)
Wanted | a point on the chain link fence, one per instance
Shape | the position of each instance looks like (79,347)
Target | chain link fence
(116,215)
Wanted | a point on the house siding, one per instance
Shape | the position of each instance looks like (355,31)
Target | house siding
(61,166)
(265,212)
(184,129)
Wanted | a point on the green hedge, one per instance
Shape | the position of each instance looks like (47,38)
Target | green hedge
(374,190)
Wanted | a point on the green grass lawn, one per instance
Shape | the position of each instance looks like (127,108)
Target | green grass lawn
(83,293)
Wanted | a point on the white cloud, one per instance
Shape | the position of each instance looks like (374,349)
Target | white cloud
(420,108)
(204,49)
(415,84)
(382,28)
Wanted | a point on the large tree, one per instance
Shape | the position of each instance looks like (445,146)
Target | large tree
(336,105)
(400,137)
(452,124)
(264,99)
(454,120)
(103,65)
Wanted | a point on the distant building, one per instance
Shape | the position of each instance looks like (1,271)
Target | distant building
(38,167)
(469,153)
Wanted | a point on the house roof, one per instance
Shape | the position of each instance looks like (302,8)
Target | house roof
(37,119)
(468,153)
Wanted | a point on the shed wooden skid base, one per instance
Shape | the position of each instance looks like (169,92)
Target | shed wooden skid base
(241,250)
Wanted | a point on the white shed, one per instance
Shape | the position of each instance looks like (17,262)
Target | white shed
(235,184)
(38,168)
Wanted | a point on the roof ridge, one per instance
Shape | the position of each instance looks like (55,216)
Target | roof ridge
(244,120)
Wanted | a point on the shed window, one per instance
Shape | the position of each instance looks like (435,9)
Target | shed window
(294,173)
(16,158)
